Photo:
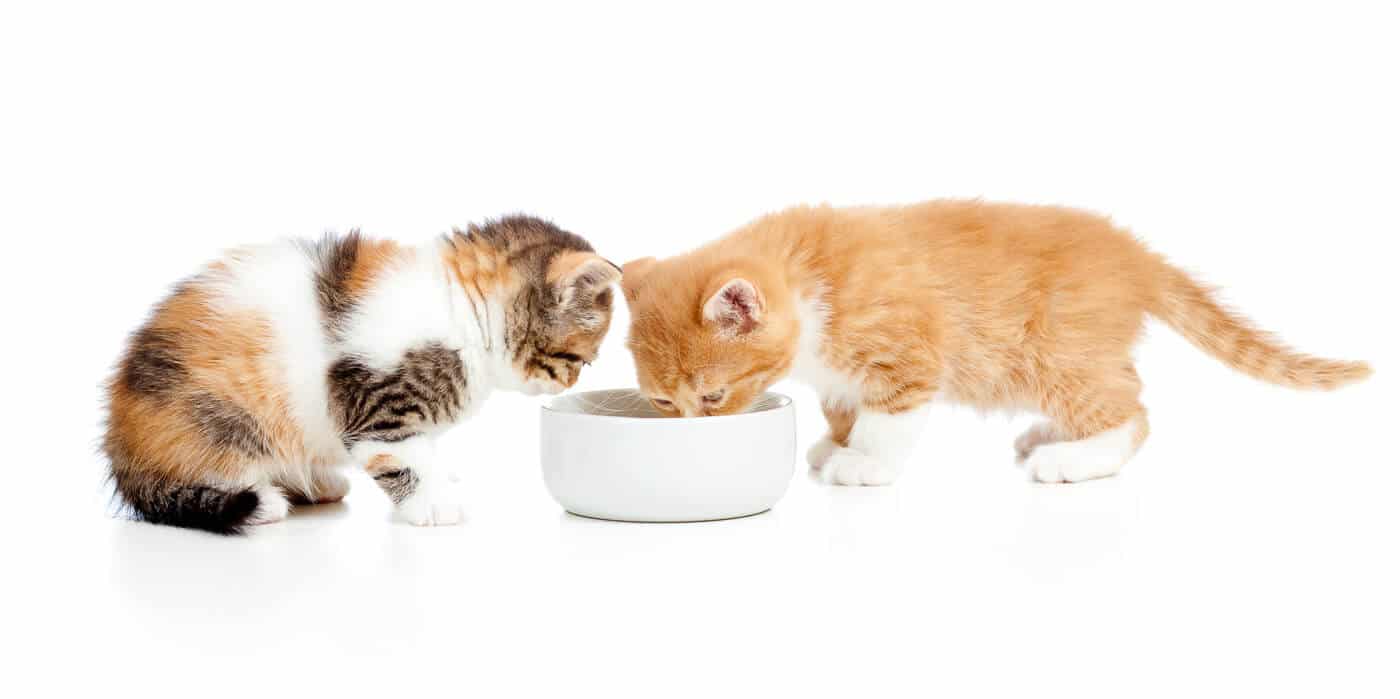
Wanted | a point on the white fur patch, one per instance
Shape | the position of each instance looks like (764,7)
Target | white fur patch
(878,446)
(276,282)
(850,467)
(405,307)
(1095,457)
(835,387)
(272,506)
(426,508)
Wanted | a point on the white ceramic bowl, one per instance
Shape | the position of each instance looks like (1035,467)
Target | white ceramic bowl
(610,455)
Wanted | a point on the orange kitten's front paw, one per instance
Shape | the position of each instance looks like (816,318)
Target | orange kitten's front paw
(821,451)
(849,467)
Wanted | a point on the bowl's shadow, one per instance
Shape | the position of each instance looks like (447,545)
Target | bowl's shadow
(676,521)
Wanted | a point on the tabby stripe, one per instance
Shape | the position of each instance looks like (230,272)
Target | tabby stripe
(534,361)
(405,410)
(398,485)
(386,426)
(384,399)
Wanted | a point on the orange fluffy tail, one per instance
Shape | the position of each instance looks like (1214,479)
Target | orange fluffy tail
(1190,309)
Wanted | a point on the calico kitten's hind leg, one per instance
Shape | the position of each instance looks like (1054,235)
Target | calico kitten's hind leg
(405,471)
(876,448)
(324,485)
(273,505)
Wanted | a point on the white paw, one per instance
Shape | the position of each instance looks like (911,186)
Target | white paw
(1066,463)
(422,510)
(849,467)
(821,451)
(330,486)
(272,506)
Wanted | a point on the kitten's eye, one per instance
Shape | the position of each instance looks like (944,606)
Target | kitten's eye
(713,397)
(662,403)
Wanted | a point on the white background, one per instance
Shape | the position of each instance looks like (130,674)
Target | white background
(1249,549)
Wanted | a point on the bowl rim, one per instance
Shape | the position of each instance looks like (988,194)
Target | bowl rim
(783,402)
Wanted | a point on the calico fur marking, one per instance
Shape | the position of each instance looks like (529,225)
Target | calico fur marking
(398,484)
(253,378)
(160,501)
(396,480)
(153,366)
(344,267)
(228,426)
(428,387)
(336,258)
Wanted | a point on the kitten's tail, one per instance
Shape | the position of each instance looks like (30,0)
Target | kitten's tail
(1191,309)
(205,507)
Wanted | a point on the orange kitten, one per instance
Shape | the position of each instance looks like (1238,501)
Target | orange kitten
(884,310)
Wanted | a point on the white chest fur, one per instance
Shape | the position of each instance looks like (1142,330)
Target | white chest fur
(809,366)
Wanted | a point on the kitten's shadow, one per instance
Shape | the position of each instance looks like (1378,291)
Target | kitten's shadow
(1069,529)
(606,539)
(863,519)
(320,512)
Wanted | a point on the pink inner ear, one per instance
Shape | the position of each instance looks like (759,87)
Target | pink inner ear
(742,308)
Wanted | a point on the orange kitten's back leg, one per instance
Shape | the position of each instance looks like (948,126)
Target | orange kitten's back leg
(1043,432)
(1097,424)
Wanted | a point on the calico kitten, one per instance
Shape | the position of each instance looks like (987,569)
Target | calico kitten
(884,310)
(277,363)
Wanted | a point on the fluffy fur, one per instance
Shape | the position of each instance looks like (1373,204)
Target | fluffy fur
(884,310)
(277,363)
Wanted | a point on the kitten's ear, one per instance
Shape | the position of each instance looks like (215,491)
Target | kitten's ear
(577,274)
(632,274)
(737,308)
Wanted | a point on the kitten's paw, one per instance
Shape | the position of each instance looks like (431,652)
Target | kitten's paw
(272,506)
(1066,463)
(847,466)
(1038,434)
(421,510)
(329,486)
(821,451)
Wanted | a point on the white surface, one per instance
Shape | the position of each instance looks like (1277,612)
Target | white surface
(1248,550)
(600,460)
